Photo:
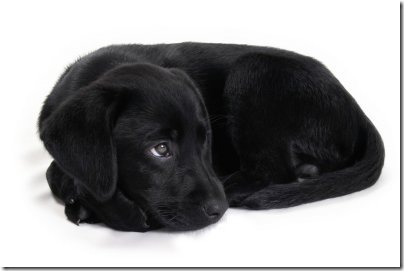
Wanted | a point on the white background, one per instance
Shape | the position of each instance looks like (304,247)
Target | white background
(357,40)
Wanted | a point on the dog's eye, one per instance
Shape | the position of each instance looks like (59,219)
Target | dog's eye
(161,150)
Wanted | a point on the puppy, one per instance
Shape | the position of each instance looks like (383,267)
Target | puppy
(170,135)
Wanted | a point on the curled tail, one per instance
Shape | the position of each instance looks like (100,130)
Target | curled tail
(362,174)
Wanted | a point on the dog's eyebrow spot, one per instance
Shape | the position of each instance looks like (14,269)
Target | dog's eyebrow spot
(160,133)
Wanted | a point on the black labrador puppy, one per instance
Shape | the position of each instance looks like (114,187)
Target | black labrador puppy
(145,136)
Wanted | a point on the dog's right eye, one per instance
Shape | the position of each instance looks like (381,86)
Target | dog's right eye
(161,150)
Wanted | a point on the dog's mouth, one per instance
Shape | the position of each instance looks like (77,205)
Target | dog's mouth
(169,215)
(183,217)
(159,214)
(174,215)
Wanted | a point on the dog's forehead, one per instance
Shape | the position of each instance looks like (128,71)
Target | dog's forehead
(169,97)
(159,97)
(159,87)
(171,110)
(168,109)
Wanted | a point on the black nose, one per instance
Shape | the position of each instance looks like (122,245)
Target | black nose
(214,210)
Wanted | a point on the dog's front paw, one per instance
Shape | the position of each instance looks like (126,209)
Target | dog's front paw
(77,214)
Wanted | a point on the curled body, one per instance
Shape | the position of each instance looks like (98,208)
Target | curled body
(171,135)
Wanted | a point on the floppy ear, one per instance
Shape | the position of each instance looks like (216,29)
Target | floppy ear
(78,135)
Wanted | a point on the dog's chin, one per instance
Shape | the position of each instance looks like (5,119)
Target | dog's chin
(185,225)
(183,222)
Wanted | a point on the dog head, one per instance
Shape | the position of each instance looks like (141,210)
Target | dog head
(142,130)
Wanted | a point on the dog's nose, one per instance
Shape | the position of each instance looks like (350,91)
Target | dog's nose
(214,209)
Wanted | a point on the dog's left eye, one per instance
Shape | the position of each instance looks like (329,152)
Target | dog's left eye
(161,150)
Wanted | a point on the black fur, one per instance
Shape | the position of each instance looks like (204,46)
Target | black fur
(285,132)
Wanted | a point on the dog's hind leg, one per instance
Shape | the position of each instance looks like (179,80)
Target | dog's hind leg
(63,188)
(298,133)
(289,121)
